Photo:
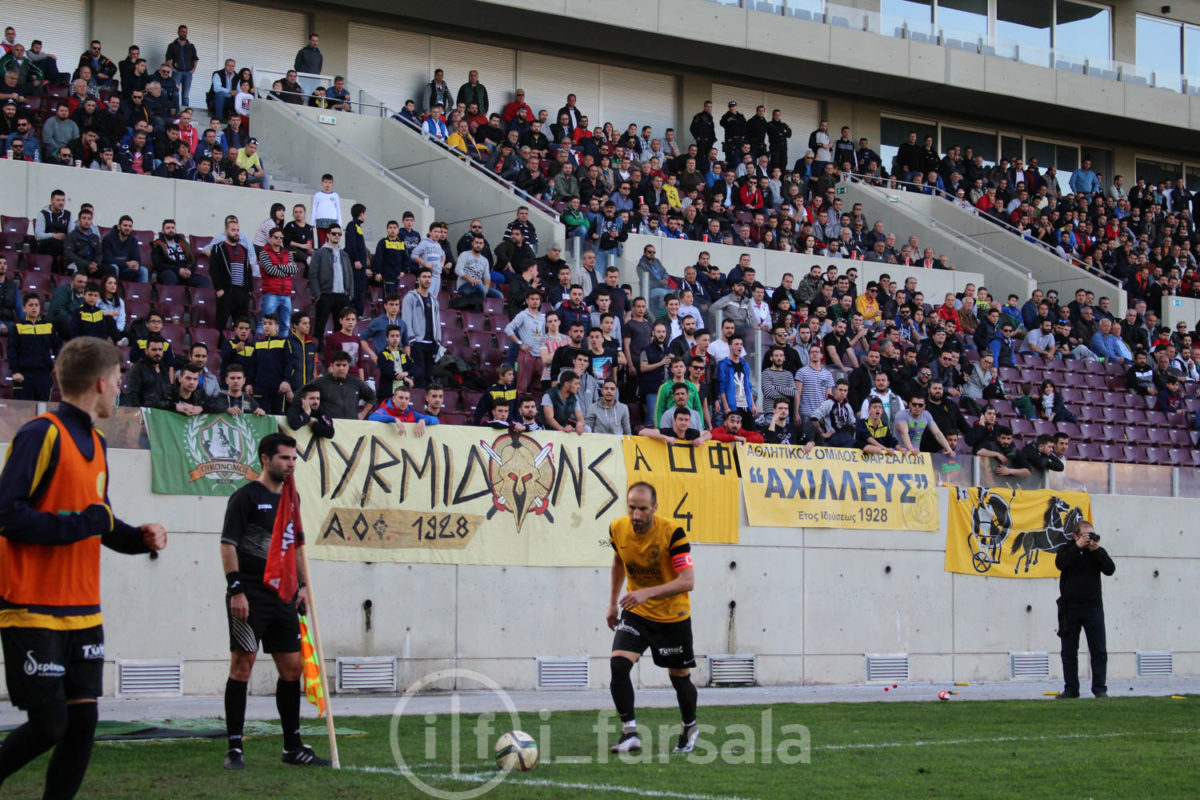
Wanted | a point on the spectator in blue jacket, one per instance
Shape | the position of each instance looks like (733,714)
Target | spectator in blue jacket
(1084,181)
(1108,346)
(119,250)
(736,384)
(1003,347)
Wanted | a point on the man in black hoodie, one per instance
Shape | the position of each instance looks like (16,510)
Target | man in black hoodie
(1081,605)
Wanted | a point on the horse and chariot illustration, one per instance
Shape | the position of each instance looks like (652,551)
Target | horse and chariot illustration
(991,527)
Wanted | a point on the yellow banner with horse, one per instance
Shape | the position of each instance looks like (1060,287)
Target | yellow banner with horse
(1012,533)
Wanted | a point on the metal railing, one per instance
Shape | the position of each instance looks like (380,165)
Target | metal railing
(369,105)
(902,187)
(836,15)
(366,103)
(477,167)
(324,131)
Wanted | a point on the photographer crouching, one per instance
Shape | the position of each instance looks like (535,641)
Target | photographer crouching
(1081,605)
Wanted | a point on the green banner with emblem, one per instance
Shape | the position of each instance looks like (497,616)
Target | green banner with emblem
(209,454)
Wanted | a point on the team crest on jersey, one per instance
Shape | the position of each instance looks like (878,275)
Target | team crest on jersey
(219,448)
(520,475)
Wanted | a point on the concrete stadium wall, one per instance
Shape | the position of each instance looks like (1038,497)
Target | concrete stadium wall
(1000,276)
(308,151)
(459,192)
(808,602)
(198,209)
(456,194)
(1179,309)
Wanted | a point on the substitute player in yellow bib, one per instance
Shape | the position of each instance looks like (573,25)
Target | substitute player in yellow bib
(653,558)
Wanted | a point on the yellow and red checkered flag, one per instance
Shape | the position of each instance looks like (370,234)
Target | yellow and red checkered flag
(314,690)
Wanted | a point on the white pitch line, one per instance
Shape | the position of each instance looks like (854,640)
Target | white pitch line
(473,777)
(991,740)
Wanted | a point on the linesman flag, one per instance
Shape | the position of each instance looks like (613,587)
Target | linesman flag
(280,573)
(314,689)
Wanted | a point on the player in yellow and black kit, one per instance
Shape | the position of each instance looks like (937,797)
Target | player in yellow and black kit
(54,516)
(653,557)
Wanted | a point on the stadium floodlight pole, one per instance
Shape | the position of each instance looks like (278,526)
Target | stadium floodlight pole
(316,631)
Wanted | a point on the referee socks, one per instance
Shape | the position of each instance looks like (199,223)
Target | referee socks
(287,701)
(235,712)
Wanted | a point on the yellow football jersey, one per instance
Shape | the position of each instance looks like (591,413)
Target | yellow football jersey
(652,559)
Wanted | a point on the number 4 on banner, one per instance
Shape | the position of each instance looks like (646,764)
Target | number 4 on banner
(687,518)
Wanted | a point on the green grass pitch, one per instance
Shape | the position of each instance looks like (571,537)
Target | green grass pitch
(1119,748)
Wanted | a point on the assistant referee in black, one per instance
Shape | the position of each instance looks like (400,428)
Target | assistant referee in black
(255,612)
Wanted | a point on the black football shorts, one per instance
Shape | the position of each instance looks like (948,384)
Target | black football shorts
(43,665)
(272,622)
(670,643)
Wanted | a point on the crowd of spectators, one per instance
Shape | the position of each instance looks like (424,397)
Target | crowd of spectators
(126,118)
(607,183)
(493,333)
(1142,236)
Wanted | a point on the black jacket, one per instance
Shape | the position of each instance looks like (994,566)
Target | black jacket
(322,425)
(145,386)
(1079,583)
(210,405)
(220,272)
(734,125)
(703,129)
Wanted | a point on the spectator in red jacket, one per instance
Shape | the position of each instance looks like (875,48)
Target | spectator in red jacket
(510,110)
(732,431)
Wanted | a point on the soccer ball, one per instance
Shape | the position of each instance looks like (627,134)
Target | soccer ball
(516,750)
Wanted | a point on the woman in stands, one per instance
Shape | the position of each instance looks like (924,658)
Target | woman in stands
(246,76)
(1049,405)
(111,303)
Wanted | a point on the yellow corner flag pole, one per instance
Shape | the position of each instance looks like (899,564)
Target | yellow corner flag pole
(316,632)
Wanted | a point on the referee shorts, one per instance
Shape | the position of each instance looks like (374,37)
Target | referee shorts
(273,622)
(43,665)
(670,643)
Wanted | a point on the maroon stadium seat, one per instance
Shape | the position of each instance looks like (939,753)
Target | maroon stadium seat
(40,282)
(1044,428)
(209,336)
(1149,455)
(136,308)
(14,224)
(1180,437)
(36,262)
(1158,435)
(1074,397)
(1156,419)
(176,333)
(1069,428)
(171,294)
(1022,428)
